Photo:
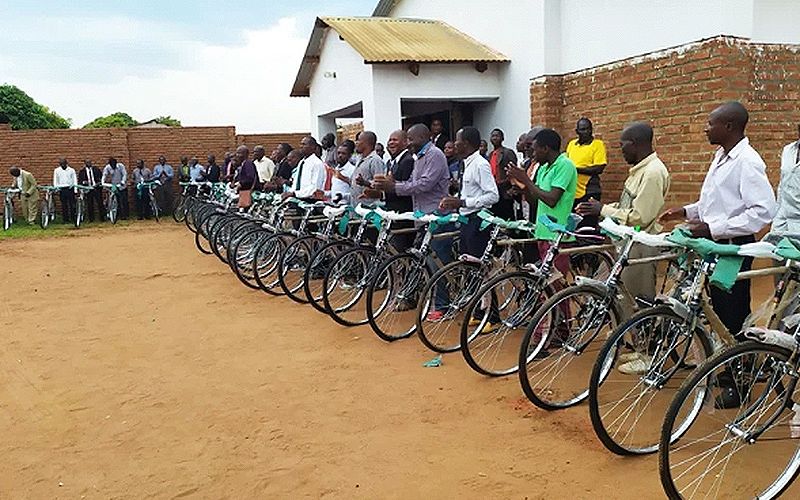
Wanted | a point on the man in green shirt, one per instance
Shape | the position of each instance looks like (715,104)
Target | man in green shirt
(553,190)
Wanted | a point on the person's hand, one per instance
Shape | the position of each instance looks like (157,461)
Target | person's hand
(318,195)
(287,194)
(673,214)
(450,203)
(384,183)
(370,193)
(699,230)
(360,181)
(517,176)
(590,207)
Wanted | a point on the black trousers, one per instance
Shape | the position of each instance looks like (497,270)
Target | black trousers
(122,198)
(142,203)
(734,307)
(473,241)
(67,197)
(94,199)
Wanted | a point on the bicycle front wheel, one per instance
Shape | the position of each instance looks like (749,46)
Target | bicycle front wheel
(293,265)
(179,213)
(318,267)
(112,208)
(44,216)
(732,429)
(345,286)
(393,294)
(79,207)
(8,213)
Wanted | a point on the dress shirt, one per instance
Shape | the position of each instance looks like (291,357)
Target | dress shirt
(116,175)
(196,173)
(430,179)
(642,196)
(265,168)
(367,167)
(339,186)
(19,182)
(787,219)
(401,167)
(90,176)
(309,176)
(478,188)
(736,198)
(329,156)
(141,175)
(164,172)
(64,177)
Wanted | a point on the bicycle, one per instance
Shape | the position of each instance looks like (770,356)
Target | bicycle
(702,441)
(643,362)
(80,203)
(150,186)
(47,212)
(110,201)
(8,206)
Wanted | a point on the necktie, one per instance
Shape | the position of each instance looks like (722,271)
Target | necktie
(299,175)
(328,180)
(91,177)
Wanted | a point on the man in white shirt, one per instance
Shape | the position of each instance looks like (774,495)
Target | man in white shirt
(340,174)
(65,178)
(736,201)
(265,167)
(308,179)
(787,218)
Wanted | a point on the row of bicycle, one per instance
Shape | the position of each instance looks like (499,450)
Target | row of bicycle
(658,377)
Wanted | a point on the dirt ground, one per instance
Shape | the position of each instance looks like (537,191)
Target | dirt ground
(134,366)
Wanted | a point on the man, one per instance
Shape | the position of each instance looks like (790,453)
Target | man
(736,201)
(484,150)
(787,218)
(522,150)
(308,179)
(163,172)
(247,177)
(227,168)
(339,177)
(640,203)
(499,159)
(196,170)
(454,163)
(24,181)
(367,167)
(264,166)
(438,135)
(553,192)
(115,173)
(184,170)
(141,174)
(65,179)
(92,176)
(329,151)
(589,156)
(380,151)
(283,170)
(212,171)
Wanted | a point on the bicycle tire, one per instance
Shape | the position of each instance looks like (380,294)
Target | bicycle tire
(179,212)
(626,430)
(551,326)
(44,216)
(318,266)
(216,236)
(8,210)
(79,212)
(266,261)
(112,208)
(242,255)
(294,262)
(351,269)
(750,460)
(411,274)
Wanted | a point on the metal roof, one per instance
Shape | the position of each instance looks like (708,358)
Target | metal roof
(394,40)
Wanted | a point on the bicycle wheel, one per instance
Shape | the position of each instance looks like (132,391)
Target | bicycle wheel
(750,449)
(243,254)
(79,212)
(8,213)
(558,351)
(345,284)
(201,236)
(266,260)
(496,320)
(154,209)
(293,264)
(44,216)
(636,375)
(192,206)
(179,212)
(393,294)
(443,302)
(317,268)
(219,235)
(112,208)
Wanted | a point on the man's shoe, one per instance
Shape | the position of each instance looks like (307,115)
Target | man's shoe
(636,366)
(488,328)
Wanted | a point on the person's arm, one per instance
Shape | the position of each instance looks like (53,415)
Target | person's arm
(599,160)
(489,194)
(759,200)
(170,174)
(430,174)
(124,181)
(645,207)
(55,177)
(31,186)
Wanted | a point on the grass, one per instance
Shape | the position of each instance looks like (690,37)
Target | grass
(21,230)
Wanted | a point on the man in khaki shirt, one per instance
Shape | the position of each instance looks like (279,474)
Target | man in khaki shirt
(641,202)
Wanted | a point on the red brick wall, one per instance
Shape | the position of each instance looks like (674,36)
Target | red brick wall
(675,90)
(270,141)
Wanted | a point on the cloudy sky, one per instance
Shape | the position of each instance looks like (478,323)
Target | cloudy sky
(205,62)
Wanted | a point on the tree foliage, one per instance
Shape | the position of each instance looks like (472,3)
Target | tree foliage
(118,119)
(23,113)
(168,121)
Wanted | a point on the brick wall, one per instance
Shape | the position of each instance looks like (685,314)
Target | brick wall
(270,141)
(349,131)
(674,90)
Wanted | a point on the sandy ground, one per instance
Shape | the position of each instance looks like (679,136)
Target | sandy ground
(134,366)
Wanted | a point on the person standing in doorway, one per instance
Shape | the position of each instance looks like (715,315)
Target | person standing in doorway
(438,135)
(499,160)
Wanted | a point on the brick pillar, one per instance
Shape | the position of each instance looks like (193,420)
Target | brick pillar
(547,101)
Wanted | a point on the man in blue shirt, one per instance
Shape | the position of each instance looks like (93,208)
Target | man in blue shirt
(163,172)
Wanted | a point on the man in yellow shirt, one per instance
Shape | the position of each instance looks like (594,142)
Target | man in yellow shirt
(589,156)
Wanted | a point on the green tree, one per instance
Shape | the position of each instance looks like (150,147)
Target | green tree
(118,119)
(168,121)
(24,113)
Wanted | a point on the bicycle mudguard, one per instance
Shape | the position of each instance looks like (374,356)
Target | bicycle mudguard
(772,337)
(598,285)
(677,306)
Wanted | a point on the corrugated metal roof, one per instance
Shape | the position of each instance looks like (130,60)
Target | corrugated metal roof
(394,40)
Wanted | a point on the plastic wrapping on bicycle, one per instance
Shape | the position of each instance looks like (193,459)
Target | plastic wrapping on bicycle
(48,188)
(304,205)
(10,190)
(395,216)
(153,182)
(260,196)
(113,187)
(84,188)
(618,231)
(489,219)
(707,248)
(589,234)
(332,212)
(773,337)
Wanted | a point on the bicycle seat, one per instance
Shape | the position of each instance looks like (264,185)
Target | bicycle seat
(332,212)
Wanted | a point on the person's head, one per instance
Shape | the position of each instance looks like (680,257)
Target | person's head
(62,162)
(140,163)
(14,171)
(546,146)
(351,146)
(521,143)
(468,140)
(484,147)
(398,141)
(194,161)
(212,160)
(162,160)
(259,152)
(449,149)
(308,146)
(636,142)
(113,162)
(294,157)
(419,135)
(87,163)
(365,143)
(283,150)
(497,137)
(343,155)
(726,124)
(379,150)
(436,127)
(584,130)
(328,140)
(184,160)
(242,152)
(530,138)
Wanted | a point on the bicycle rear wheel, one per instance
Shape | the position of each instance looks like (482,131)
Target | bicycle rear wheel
(112,208)
(636,375)
(393,294)
(44,215)
(243,254)
(318,267)
(179,212)
(293,265)
(8,213)
(79,208)
(750,449)
(267,260)
(345,285)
